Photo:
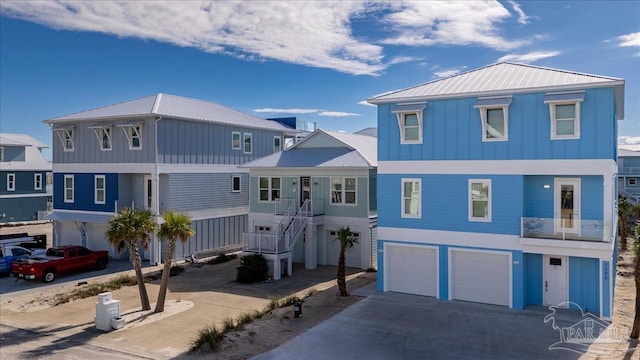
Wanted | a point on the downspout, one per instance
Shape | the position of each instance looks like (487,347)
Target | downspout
(156,257)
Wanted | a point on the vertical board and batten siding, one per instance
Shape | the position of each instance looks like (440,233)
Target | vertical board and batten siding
(532,265)
(191,142)
(445,201)
(84,192)
(13,153)
(373,191)
(131,191)
(584,283)
(87,146)
(24,182)
(212,234)
(539,202)
(452,131)
(188,192)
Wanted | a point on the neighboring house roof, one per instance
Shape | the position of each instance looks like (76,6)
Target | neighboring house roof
(34,160)
(174,107)
(628,153)
(370,131)
(338,150)
(502,79)
(629,147)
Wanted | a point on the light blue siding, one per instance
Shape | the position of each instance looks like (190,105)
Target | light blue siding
(532,279)
(452,131)
(373,191)
(188,192)
(444,272)
(517,282)
(538,201)
(606,285)
(584,288)
(445,200)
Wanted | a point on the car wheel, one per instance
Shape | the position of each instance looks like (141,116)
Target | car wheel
(101,265)
(48,276)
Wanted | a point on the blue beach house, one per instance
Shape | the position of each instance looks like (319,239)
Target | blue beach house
(499,187)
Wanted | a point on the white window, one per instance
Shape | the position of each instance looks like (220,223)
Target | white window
(632,181)
(277,144)
(564,109)
(479,200)
(235,183)
(105,139)
(235,140)
(269,188)
(37,181)
(247,143)
(343,190)
(68,140)
(410,122)
(135,137)
(68,188)
(494,117)
(99,189)
(411,198)
(11,182)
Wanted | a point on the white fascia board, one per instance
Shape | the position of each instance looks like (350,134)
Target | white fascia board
(589,249)
(17,196)
(200,169)
(606,167)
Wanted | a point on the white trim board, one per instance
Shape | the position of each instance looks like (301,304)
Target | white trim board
(17,196)
(218,213)
(451,238)
(606,167)
(147,168)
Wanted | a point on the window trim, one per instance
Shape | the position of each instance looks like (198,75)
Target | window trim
(96,190)
(343,191)
(233,134)
(555,99)
(279,146)
(129,130)
(37,181)
(635,182)
(493,103)
(233,178)
(489,201)
(246,136)
(11,182)
(402,198)
(269,188)
(72,188)
(410,109)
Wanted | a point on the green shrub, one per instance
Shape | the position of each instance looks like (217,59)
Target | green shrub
(253,268)
(208,339)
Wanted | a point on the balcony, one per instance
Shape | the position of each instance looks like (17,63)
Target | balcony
(284,205)
(629,170)
(264,243)
(565,229)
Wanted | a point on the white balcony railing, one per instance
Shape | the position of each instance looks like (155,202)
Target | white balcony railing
(564,229)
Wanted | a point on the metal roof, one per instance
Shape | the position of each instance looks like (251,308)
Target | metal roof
(8,139)
(628,153)
(504,78)
(370,131)
(174,107)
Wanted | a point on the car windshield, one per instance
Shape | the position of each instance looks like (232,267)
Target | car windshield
(55,252)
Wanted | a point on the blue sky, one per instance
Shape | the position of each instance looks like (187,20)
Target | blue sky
(315,60)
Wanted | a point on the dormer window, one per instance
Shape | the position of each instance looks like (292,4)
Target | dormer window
(103,133)
(410,122)
(133,132)
(494,118)
(65,134)
(564,112)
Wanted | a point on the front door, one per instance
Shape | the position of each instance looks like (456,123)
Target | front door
(567,205)
(555,280)
(305,189)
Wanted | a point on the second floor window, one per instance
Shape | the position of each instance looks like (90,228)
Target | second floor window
(494,116)
(135,139)
(235,140)
(99,189)
(105,139)
(343,190)
(247,143)
(37,181)
(235,183)
(68,188)
(11,182)
(479,200)
(410,122)
(68,140)
(411,198)
(564,111)
(269,188)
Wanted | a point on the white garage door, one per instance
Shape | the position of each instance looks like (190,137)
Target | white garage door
(352,257)
(480,277)
(411,269)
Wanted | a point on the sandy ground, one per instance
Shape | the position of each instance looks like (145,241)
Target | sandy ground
(625,292)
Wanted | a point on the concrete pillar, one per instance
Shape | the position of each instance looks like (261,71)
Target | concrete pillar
(310,247)
(276,268)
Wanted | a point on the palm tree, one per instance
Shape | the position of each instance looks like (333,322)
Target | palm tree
(635,329)
(624,229)
(176,226)
(126,229)
(347,241)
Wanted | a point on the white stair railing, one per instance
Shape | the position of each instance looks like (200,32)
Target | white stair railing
(296,226)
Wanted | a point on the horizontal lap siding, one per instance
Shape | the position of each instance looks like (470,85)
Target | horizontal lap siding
(452,131)
(188,192)
(22,209)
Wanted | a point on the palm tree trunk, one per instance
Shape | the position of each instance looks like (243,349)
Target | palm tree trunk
(134,257)
(635,329)
(164,283)
(342,283)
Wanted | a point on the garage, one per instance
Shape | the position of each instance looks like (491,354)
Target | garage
(352,257)
(411,269)
(480,276)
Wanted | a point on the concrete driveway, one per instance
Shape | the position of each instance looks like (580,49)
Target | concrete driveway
(400,326)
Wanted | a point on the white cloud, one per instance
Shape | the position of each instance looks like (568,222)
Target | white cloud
(530,57)
(286,111)
(632,39)
(364,102)
(403,59)
(337,113)
(628,140)
(522,17)
(425,23)
(448,72)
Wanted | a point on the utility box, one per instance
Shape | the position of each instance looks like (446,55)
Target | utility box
(106,310)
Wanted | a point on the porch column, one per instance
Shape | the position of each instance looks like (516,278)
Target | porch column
(310,247)
(277,272)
